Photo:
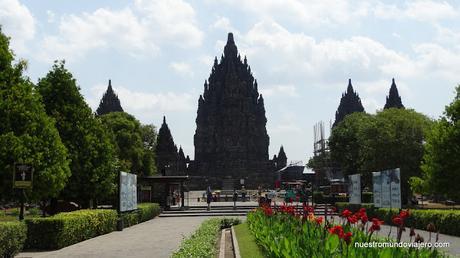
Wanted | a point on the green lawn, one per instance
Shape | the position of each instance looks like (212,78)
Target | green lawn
(247,243)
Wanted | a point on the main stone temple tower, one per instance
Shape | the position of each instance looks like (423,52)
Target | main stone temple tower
(231,141)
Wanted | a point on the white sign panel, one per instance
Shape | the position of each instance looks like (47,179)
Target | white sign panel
(386,189)
(128,191)
(377,188)
(395,184)
(355,188)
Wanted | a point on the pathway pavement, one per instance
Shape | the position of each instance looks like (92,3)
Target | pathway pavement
(157,238)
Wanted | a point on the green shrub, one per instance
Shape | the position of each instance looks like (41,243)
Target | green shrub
(318,197)
(367,197)
(202,243)
(148,211)
(12,238)
(130,218)
(34,211)
(68,228)
(446,221)
(229,222)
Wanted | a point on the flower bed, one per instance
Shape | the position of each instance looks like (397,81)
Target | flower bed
(203,242)
(12,238)
(445,221)
(286,233)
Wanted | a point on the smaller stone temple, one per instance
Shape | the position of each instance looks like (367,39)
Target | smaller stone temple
(109,102)
(349,103)
(169,160)
(393,98)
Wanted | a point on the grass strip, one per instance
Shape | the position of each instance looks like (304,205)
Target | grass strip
(247,242)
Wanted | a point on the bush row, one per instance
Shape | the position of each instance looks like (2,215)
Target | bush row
(144,212)
(320,197)
(12,238)
(68,228)
(203,242)
(446,221)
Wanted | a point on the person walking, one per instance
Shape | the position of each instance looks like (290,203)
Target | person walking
(243,193)
(209,197)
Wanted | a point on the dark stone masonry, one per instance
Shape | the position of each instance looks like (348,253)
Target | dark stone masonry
(231,140)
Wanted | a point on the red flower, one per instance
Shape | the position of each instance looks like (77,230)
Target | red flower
(268,211)
(337,230)
(397,220)
(346,213)
(375,225)
(333,208)
(352,219)
(319,220)
(362,210)
(347,237)
(364,219)
(404,214)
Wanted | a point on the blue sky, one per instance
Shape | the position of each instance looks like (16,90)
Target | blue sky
(159,53)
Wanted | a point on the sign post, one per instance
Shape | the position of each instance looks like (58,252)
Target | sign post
(387,188)
(22,179)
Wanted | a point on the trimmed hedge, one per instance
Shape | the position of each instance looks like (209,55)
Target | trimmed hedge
(144,212)
(12,238)
(68,228)
(203,242)
(446,221)
(148,211)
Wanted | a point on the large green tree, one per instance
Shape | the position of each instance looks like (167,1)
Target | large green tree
(132,142)
(90,148)
(27,134)
(441,164)
(393,138)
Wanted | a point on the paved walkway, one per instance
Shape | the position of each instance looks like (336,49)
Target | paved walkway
(157,238)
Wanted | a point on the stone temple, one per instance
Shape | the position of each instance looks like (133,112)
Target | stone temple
(231,140)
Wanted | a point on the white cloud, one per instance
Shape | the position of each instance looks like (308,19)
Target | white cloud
(279,90)
(303,58)
(223,23)
(139,30)
(18,23)
(50,16)
(420,10)
(182,68)
(140,103)
(306,13)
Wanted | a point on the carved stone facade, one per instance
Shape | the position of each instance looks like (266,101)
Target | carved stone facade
(349,103)
(393,99)
(231,140)
(109,102)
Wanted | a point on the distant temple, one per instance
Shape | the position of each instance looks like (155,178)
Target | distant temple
(109,102)
(231,140)
(349,103)
(393,99)
(169,161)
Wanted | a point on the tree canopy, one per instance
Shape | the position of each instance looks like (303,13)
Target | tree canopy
(132,143)
(393,138)
(92,154)
(441,162)
(27,134)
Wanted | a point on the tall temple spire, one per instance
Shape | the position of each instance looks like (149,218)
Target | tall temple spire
(166,151)
(231,139)
(281,159)
(109,102)
(349,103)
(230,49)
(393,99)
